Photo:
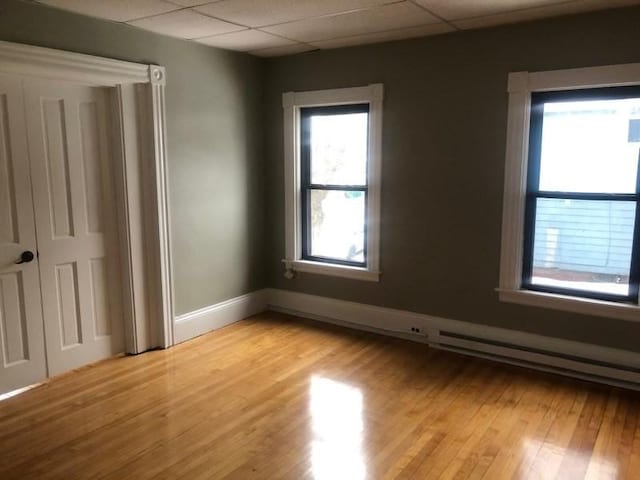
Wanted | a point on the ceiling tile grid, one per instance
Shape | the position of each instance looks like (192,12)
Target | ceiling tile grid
(186,24)
(281,51)
(245,40)
(262,13)
(386,36)
(115,10)
(270,28)
(545,10)
(359,22)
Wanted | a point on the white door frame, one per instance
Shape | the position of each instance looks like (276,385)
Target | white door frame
(141,178)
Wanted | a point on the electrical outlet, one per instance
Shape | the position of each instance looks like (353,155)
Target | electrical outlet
(418,330)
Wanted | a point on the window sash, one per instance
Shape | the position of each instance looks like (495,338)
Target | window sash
(307,231)
(306,187)
(538,99)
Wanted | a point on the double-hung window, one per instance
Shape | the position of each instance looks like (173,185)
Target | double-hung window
(332,162)
(333,142)
(582,194)
(571,226)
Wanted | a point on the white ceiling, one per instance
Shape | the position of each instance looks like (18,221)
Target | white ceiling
(281,27)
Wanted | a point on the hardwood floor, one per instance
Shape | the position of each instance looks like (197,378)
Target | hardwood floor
(274,397)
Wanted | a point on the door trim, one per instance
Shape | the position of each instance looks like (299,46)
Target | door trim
(142,182)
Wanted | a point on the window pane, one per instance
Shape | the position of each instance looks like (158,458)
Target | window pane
(590,146)
(583,244)
(337,224)
(339,149)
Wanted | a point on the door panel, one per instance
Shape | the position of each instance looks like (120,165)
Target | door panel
(75,221)
(22,339)
(8,213)
(57,165)
(99,288)
(92,174)
(12,316)
(68,304)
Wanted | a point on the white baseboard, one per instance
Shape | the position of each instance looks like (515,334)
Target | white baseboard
(586,361)
(582,360)
(397,323)
(216,316)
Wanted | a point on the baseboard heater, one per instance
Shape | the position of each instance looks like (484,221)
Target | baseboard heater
(545,360)
(574,359)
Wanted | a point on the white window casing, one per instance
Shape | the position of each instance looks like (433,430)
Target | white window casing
(292,102)
(520,87)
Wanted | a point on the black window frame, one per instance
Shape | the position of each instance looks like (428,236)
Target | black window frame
(538,99)
(306,186)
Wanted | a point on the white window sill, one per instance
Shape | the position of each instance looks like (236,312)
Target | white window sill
(586,306)
(344,271)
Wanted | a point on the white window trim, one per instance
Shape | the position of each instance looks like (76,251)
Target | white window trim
(292,102)
(520,87)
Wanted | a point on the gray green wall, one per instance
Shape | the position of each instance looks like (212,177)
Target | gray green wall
(444,134)
(443,145)
(214,139)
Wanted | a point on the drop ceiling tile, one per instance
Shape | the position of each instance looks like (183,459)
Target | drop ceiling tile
(565,8)
(463,9)
(453,10)
(185,24)
(246,40)
(192,3)
(388,17)
(280,51)
(390,35)
(116,10)
(257,13)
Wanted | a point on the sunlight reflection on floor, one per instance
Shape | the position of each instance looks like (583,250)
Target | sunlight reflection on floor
(540,456)
(337,426)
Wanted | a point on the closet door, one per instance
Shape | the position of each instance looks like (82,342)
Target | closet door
(22,351)
(69,144)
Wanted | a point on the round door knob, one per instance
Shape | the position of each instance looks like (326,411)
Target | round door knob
(26,257)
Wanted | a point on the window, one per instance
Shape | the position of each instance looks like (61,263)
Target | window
(582,194)
(571,217)
(332,177)
(334,183)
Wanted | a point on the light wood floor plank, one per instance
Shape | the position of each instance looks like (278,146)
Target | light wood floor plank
(277,397)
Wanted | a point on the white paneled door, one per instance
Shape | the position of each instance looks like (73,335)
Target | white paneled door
(22,348)
(72,284)
(68,135)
